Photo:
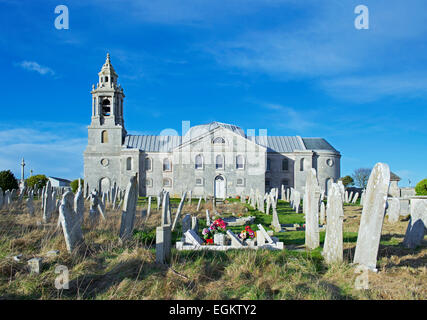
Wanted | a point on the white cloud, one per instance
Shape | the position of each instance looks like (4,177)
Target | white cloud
(34,66)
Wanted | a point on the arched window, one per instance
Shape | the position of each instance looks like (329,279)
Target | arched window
(148,163)
(167,182)
(301,165)
(167,166)
(129,163)
(199,162)
(218,140)
(268,164)
(240,162)
(148,182)
(106,109)
(104,136)
(219,162)
(106,79)
(285,164)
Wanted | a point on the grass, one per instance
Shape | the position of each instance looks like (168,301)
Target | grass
(109,269)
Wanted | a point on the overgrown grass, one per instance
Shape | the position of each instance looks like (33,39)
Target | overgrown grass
(109,269)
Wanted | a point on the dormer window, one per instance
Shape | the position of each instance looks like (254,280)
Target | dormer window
(106,109)
(218,140)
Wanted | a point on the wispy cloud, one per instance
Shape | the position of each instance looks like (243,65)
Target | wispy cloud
(34,66)
(290,118)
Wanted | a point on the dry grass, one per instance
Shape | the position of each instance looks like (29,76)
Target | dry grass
(109,269)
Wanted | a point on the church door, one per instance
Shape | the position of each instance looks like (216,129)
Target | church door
(219,187)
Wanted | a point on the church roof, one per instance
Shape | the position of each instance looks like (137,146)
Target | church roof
(281,144)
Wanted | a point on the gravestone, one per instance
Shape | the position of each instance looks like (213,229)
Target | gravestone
(333,246)
(312,190)
(35,265)
(235,241)
(71,222)
(198,204)
(268,205)
(47,205)
(275,221)
(393,210)
(148,208)
(195,224)
(322,213)
(287,194)
(208,218)
(356,196)
(166,218)
(342,190)
(417,223)
(193,238)
(371,222)
(30,204)
(163,244)
(129,209)
(297,200)
(178,211)
(186,223)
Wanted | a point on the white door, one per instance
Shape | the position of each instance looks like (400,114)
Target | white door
(219,187)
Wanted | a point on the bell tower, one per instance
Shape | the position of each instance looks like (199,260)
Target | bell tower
(107,101)
(106,132)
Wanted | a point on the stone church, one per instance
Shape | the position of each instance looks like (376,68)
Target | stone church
(214,159)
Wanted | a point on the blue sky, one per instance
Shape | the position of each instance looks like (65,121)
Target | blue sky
(292,67)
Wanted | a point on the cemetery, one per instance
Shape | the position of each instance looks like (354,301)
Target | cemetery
(279,245)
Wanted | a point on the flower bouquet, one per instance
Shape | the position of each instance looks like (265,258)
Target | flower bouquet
(218,226)
(248,232)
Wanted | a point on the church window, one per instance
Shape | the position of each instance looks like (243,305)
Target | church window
(106,79)
(240,162)
(268,164)
(285,164)
(148,163)
(199,181)
(219,162)
(167,182)
(106,109)
(301,166)
(104,136)
(167,166)
(218,140)
(199,162)
(148,182)
(129,163)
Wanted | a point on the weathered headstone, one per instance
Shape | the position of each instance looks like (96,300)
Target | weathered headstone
(312,190)
(35,265)
(417,223)
(393,210)
(163,244)
(198,204)
(371,222)
(30,204)
(47,205)
(178,211)
(356,196)
(322,218)
(129,209)
(148,208)
(333,246)
(71,222)
(166,219)
(208,218)
(275,221)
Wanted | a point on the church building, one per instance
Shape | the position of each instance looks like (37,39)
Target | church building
(214,159)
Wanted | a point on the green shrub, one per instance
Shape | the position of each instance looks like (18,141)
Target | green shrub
(8,180)
(75,184)
(38,181)
(421,188)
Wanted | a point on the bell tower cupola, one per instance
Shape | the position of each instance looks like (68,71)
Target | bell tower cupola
(107,98)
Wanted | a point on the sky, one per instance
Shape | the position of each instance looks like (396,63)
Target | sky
(289,66)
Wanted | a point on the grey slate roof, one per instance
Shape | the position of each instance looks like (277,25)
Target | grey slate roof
(282,144)
(318,144)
